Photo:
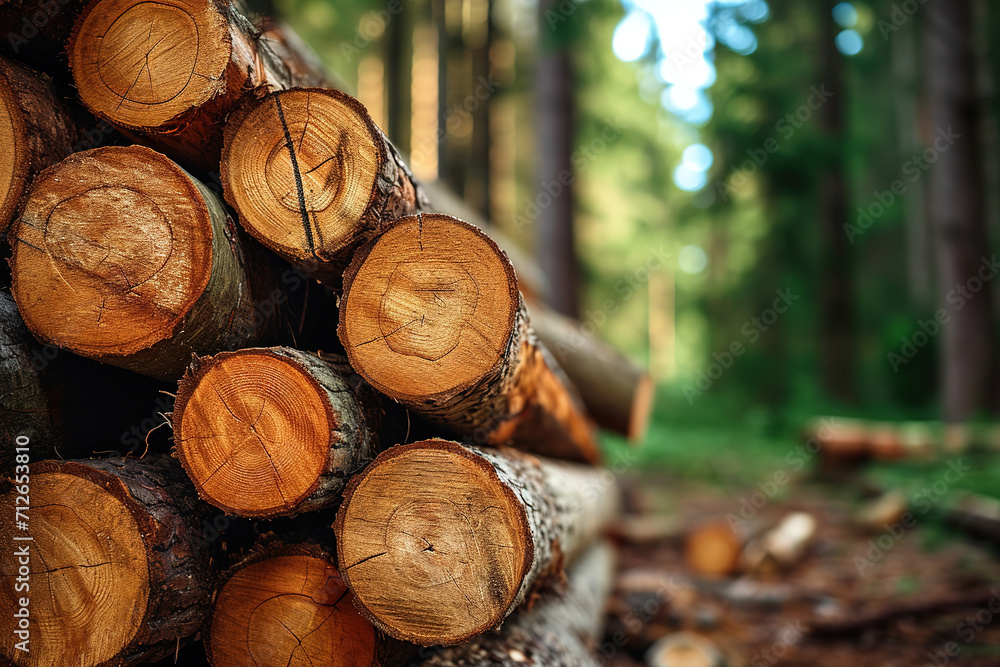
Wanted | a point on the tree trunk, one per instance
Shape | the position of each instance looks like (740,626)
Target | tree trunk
(35,132)
(957,211)
(169,74)
(837,311)
(123,257)
(431,317)
(441,542)
(286,604)
(312,176)
(559,631)
(115,573)
(554,137)
(266,432)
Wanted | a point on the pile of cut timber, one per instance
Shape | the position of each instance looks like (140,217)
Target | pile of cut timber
(374,450)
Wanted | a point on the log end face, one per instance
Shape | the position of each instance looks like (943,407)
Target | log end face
(145,64)
(89,574)
(289,610)
(111,251)
(433,544)
(253,432)
(430,310)
(301,167)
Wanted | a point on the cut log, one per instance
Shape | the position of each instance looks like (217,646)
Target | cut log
(560,631)
(115,575)
(618,393)
(286,604)
(170,72)
(312,176)
(35,131)
(121,256)
(431,316)
(441,541)
(713,549)
(266,432)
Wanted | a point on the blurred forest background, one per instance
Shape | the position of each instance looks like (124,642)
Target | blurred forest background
(785,209)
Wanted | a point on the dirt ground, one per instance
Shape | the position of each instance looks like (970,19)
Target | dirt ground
(859,596)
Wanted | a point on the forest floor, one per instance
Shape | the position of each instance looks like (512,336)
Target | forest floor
(863,593)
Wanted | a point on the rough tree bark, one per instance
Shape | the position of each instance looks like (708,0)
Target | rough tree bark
(35,131)
(431,317)
(121,256)
(286,604)
(266,432)
(312,176)
(117,576)
(441,541)
(560,631)
(957,211)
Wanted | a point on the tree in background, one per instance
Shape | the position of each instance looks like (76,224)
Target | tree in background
(958,213)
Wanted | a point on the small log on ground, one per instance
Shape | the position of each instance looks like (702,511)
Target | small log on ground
(560,631)
(35,131)
(266,432)
(170,72)
(121,256)
(116,573)
(312,176)
(431,316)
(441,542)
(286,604)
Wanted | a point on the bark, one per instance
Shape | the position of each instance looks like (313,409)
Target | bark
(957,211)
(123,257)
(117,542)
(35,131)
(134,64)
(285,603)
(560,631)
(431,317)
(268,432)
(441,541)
(312,176)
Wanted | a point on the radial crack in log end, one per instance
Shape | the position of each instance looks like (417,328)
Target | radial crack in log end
(289,606)
(312,176)
(144,65)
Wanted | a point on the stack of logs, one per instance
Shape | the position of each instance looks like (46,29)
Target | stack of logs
(204,206)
